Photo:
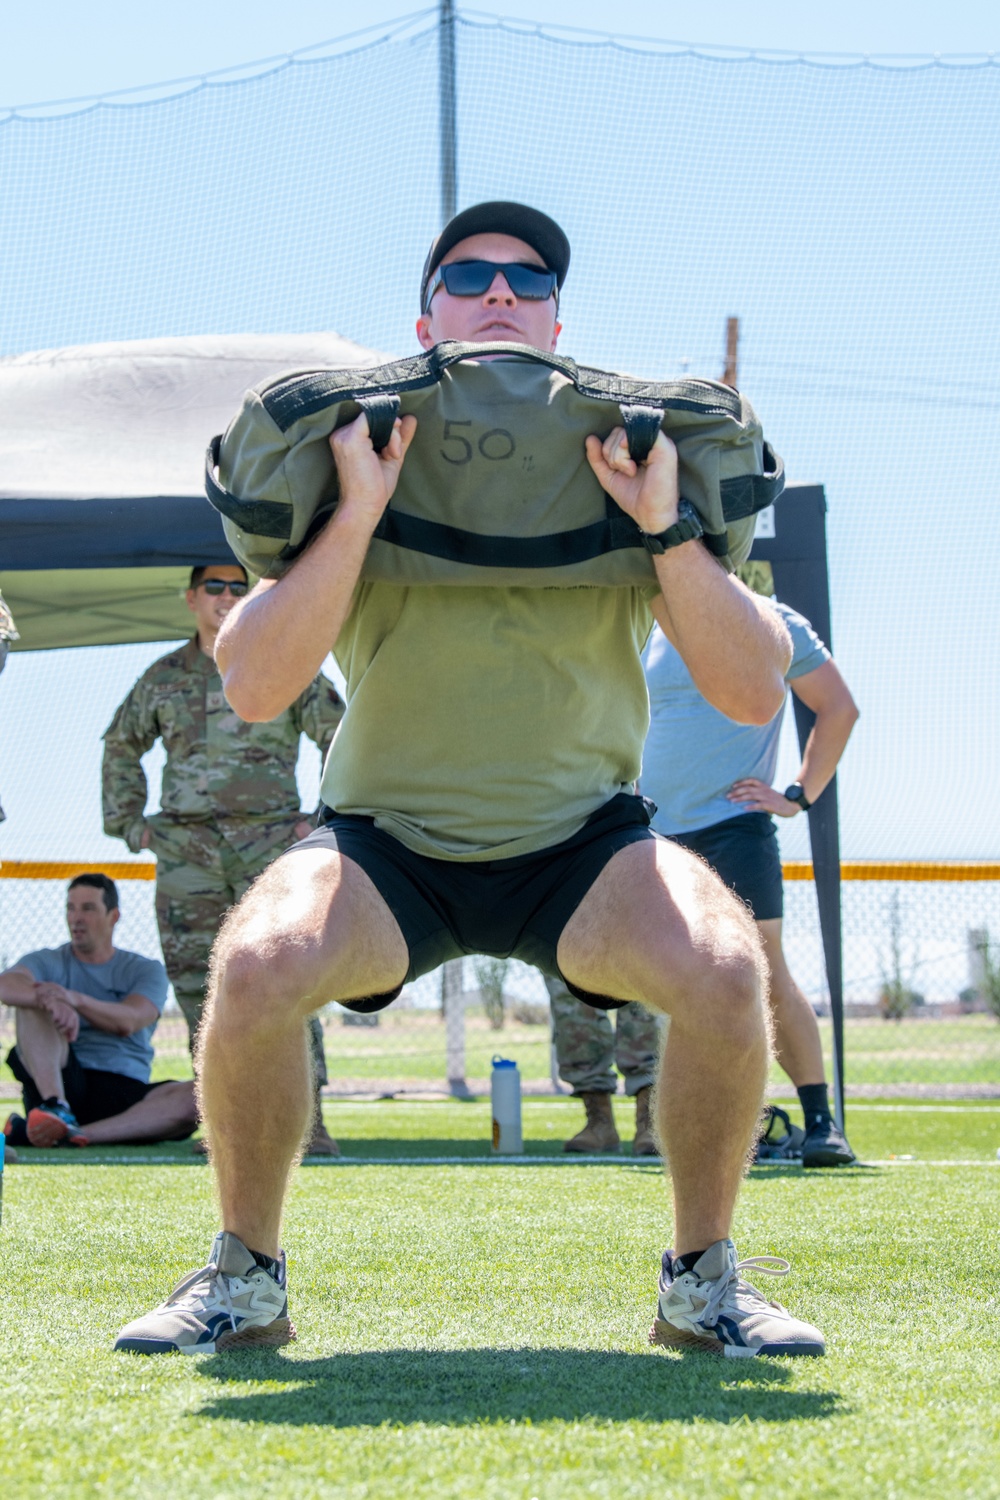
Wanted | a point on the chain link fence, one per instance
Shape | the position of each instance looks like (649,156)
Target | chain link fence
(917,988)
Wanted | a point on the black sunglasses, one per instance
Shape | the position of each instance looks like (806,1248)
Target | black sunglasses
(217,586)
(471,278)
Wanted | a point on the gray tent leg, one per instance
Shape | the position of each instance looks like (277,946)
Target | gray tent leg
(453,1002)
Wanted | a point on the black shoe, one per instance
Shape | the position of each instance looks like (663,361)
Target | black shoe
(826,1146)
(16,1130)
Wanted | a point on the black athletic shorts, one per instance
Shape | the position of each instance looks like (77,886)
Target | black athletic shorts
(743,852)
(91,1093)
(508,908)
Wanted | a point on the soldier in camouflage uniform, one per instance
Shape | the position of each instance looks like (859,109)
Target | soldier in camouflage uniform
(229,801)
(588,1049)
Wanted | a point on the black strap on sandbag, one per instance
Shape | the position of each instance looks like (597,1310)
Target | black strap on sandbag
(313,390)
(557,549)
(745,494)
(642,424)
(257,517)
(381,409)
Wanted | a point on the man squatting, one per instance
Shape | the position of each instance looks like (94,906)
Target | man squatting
(562,869)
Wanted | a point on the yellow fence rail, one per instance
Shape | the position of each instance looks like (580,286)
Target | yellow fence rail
(902,869)
(28,869)
(924,870)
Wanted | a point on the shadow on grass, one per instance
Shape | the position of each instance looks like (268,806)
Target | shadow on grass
(388,1150)
(761,1171)
(456,1387)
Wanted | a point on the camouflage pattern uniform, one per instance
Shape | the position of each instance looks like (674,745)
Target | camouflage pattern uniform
(229,802)
(588,1048)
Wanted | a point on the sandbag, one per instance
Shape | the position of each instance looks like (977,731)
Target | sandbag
(496,488)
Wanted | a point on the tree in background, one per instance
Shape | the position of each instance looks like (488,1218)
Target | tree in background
(490,975)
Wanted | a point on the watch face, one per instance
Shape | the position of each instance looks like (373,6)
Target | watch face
(794,793)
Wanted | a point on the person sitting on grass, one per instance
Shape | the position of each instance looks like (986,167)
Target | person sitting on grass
(86,1013)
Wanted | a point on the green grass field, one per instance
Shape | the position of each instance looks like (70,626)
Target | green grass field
(471,1327)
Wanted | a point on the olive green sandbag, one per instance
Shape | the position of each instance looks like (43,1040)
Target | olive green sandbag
(496,487)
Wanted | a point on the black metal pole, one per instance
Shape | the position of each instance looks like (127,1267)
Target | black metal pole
(824,838)
(446,114)
(797,554)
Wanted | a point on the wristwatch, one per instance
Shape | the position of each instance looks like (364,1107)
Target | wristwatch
(687,528)
(794,793)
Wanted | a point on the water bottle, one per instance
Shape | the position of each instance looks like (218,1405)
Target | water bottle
(505,1093)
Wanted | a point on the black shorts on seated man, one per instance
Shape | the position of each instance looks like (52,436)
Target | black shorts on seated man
(85,1017)
(482,786)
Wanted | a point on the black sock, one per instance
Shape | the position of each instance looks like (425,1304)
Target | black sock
(815,1102)
(269,1264)
(688,1261)
(55,1099)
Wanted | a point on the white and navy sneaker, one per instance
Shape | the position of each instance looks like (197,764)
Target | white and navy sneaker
(711,1307)
(231,1303)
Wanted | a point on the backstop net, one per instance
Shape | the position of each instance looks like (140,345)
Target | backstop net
(844,210)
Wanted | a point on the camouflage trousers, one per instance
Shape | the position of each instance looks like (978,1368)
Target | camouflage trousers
(588,1047)
(202,869)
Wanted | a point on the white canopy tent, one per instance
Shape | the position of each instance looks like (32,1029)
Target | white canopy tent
(102,451)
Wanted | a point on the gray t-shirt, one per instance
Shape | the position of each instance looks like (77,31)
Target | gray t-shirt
(124,974)
(693,753)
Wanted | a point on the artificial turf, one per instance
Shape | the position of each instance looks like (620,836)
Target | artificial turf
(478,1328)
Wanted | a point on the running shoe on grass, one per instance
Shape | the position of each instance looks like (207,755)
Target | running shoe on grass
(54,1124)
(232,1303)
(711,1307)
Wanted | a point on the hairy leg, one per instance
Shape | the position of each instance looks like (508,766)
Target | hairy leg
(796,1032)
(660,927)
(167,1110)
(313,928)
(42,1049)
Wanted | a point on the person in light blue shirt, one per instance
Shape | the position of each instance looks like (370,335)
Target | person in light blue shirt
(711,780)
(86,1013)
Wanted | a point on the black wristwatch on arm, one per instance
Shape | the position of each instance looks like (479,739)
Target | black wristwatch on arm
(794,793)
(687,528)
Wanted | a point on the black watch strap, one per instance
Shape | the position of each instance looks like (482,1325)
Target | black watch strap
(687,528)
(794,793)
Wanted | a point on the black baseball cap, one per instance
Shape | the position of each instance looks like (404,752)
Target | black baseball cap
(528,224)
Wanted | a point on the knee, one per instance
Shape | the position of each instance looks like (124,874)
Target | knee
(250,985)
(722,983)
(182,1100)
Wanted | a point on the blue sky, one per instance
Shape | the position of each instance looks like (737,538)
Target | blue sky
(63,49)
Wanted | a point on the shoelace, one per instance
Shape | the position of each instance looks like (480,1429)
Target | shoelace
(212,1276)
(767,1265)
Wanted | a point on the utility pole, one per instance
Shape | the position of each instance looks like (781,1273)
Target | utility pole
(732,351)
(446,112)
(452,997)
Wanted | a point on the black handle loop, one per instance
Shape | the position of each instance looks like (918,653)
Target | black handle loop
(381,409)
(642,423)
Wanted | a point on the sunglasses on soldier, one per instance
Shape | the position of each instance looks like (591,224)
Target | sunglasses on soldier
(217,586)
(472,278)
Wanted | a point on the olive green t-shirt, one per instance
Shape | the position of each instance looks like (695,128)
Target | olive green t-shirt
(486,723)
